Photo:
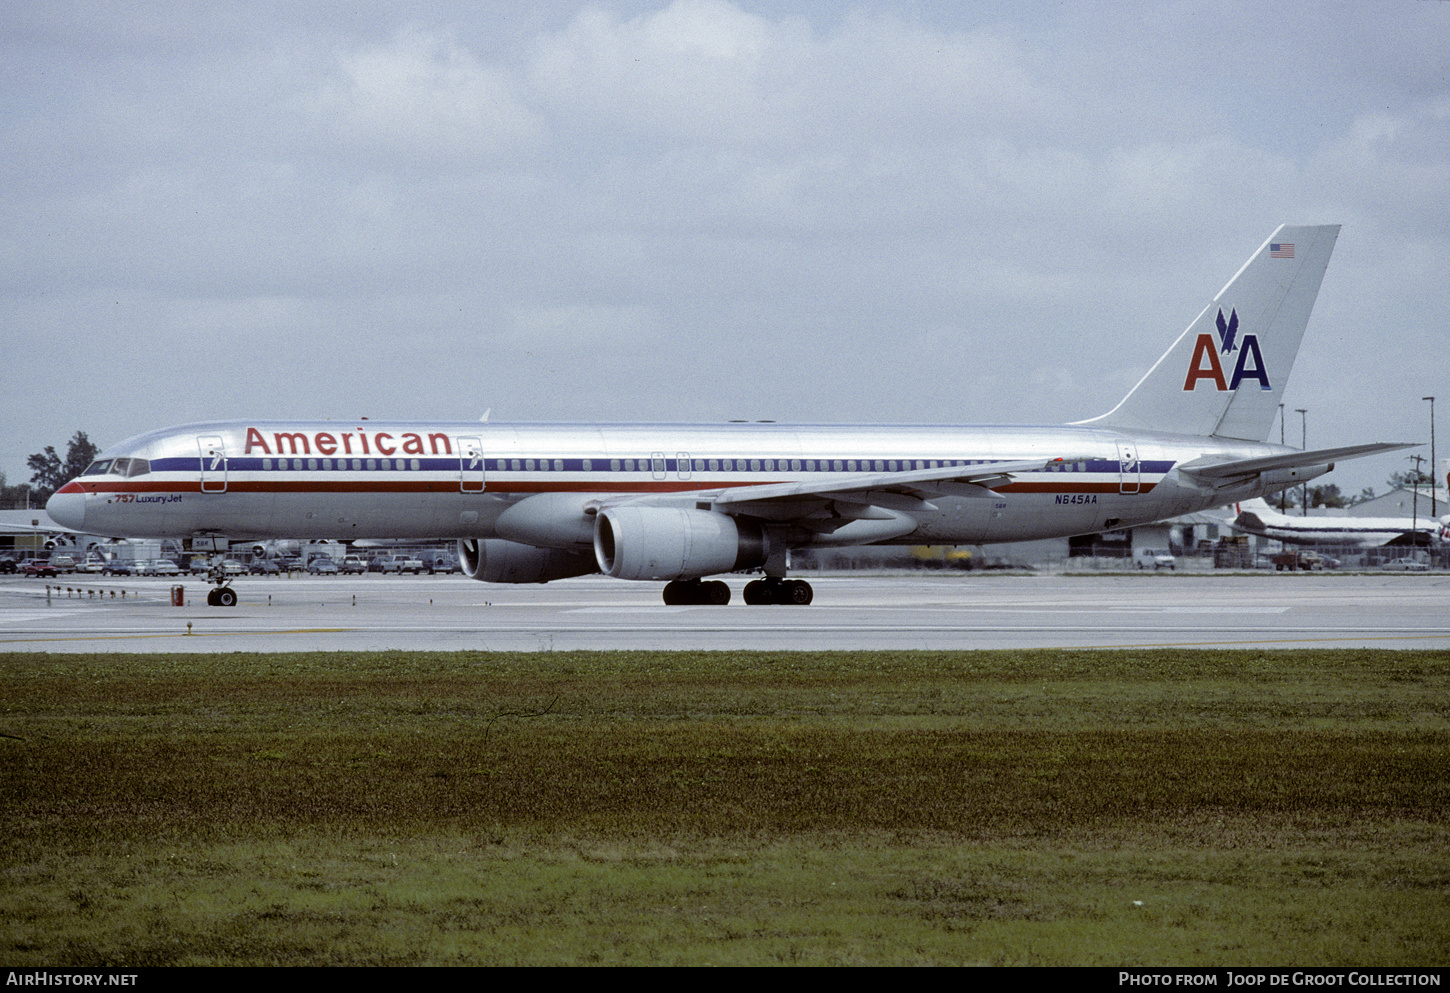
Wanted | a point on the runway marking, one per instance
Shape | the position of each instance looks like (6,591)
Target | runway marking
(16,617)
(652,609)
(185,634)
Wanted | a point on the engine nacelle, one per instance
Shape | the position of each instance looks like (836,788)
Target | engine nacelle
(675,543)
(493,560)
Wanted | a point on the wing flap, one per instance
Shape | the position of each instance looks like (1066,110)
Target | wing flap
(964,480)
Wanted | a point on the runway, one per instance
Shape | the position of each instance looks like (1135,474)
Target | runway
(855,611)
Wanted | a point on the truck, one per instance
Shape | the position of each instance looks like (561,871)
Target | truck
(400,564)
(1292,559)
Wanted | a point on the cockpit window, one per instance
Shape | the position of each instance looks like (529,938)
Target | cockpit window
(130,467)
(118,467)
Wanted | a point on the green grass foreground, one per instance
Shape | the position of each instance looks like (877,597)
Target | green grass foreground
(1045,808)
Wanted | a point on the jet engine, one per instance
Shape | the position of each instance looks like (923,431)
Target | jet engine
(493,560)
(675,543)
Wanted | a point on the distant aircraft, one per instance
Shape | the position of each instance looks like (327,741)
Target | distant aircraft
(530,503)
(1258,518)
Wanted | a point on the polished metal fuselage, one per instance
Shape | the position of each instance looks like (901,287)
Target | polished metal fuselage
(367,479)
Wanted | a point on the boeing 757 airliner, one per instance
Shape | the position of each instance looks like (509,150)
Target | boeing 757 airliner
(530,503)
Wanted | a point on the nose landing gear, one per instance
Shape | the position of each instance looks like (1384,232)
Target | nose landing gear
(223,595)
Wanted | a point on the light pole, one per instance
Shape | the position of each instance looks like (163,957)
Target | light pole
(1434,466)
(1282,505)
(1303,446)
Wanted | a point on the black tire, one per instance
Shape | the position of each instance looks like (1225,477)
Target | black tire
(797,592)
(211,598)
(226,597)
(717,593)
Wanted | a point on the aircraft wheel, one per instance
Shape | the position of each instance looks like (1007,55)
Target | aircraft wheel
(798,592)
(226,597)
(717,593)
(211,598)
(672,595)
(756,592)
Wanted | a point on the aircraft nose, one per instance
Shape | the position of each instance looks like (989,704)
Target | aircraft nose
(67,506)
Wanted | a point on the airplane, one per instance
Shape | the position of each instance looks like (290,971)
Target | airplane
(1258,518)
(536,502)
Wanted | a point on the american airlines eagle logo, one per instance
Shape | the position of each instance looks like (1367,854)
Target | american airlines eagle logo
(1211,357)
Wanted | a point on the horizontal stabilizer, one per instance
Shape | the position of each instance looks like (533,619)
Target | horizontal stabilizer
(1207,468)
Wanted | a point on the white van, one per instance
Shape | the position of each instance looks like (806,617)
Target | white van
(1154,558)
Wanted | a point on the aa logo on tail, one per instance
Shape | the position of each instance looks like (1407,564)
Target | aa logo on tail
(1206,363)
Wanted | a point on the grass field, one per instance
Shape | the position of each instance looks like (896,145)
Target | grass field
(1047,808)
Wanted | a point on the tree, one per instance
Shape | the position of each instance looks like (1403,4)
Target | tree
(1326,496)
(50,473)
(1409,479)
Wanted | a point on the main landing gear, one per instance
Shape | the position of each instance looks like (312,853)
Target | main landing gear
(795,592)
(693,592)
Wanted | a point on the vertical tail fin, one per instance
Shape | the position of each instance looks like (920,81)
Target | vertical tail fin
(1225,375)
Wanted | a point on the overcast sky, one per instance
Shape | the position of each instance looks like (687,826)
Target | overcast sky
(704,210)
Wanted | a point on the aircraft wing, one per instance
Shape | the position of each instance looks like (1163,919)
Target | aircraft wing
(1210,468)
(904,490)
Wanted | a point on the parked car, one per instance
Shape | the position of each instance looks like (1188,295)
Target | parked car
(353,565)
(264,567)
(92,564)
(161,567)
(1406,564)
(38,568)
(322,566)
(63,563)
(8,565)
(119,567)
(201,565)
(438,560)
